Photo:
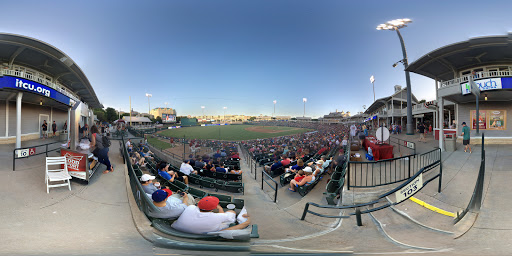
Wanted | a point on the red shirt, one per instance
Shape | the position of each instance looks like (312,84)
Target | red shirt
(321,151)
(299,178)
(285,161)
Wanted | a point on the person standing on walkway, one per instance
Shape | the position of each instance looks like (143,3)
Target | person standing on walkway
(100,150)
(45,129)
(54,128)
(421,131)
(466,137)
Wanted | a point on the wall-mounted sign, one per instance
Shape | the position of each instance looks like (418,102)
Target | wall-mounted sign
(490,119)
(409,189)
(33,87)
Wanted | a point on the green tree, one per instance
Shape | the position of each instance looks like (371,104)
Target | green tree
(252,118)
(159,119)
(100,113)
(125,114)
(111,114)
(422,101)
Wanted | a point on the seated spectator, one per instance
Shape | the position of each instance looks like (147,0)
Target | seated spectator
(192,161)
(300,175)
(327,163)
(344,143)
(318,168)
(292,170)
(148,183)
(223,153)
(274,166)
(216,155)
(164,172)
(199,163)
(236,170)
(285,160)
(201,219)
(169,207)
(235,155)
(137,159)
(340,160)
(209,165)
(186,168)
(129,145)
(220,169)
(306,181)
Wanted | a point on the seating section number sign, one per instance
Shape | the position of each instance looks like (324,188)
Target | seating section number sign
(409,189)
(21,153)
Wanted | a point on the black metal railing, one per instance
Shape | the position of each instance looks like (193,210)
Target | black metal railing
(275,186)
(32,151)
(403,147)
(476,199)
(389,171)
(380,199)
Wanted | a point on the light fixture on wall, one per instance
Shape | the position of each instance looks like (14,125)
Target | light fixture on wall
(41,102)
(485,96)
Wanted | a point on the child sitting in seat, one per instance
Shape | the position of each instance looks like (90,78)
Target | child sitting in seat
(236,170)
(300,175)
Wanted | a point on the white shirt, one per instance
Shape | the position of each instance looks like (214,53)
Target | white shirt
(128,144)
(172,209)
(196,222)
(186,168)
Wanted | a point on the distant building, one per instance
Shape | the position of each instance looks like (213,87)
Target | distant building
(137,120)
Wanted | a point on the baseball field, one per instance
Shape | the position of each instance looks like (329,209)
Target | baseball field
(233,132)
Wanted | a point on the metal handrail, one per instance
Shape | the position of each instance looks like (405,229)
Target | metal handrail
(477,75)
(476,198)
(45,152)
(370,204)
(263,175)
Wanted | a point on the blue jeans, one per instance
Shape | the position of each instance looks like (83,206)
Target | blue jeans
(103,158)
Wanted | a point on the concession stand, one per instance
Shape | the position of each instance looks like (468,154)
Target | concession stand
(380,151)
(79,161)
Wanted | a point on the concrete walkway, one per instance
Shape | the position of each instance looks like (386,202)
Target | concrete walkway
(93,219)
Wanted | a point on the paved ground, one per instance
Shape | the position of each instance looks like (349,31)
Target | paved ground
(95,219)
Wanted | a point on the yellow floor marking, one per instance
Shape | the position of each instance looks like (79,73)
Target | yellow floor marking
(432,208)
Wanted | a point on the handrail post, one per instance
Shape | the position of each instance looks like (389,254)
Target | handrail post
(13,160)
(262,178)
(305,211)
(46,150)
(358,217)
(275,193)
(440,172)
(348,174)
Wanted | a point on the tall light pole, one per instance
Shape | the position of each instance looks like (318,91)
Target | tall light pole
(372,79)
(274,115)
(202,107)
(225,113)
(396,25)
(149,105)
(304,100)
(166,105)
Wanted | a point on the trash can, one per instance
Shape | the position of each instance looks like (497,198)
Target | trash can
(450,142)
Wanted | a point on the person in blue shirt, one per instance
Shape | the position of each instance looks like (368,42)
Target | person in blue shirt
(216,155)
(274,166)
(221,168)
(223,153)
(170,176)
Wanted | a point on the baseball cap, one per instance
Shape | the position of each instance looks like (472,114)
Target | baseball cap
(208,203)
(159,195)
(169,192)
(320,162)
(463,122)
(308,169)
(146,177)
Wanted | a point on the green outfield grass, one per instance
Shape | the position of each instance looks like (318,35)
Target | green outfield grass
(230,132)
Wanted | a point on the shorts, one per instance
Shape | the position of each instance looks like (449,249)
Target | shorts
(45,132)
(422,135)
(180,178)
(465,142)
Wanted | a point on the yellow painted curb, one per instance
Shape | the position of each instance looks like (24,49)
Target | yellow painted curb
(432,208)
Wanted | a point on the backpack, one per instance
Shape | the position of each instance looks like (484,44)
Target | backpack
(105,141)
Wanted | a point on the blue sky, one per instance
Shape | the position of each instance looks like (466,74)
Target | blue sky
(245,54)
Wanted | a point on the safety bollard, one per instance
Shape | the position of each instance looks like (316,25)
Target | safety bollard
(358,218)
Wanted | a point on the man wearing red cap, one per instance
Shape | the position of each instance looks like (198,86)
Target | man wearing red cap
(169,207)
(201,219)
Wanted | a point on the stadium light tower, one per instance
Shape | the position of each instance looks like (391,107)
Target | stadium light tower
(396,25)
(372,80)
(275,101)
(202,107)
(225,113)
(304,100)
(149,105)
(166,105)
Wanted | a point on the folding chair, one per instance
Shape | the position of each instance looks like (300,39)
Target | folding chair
(53,175)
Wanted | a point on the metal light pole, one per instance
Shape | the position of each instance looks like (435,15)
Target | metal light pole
(275,101)
(225,113)
(396,25)
(149,105)
(304,100)
(372,79)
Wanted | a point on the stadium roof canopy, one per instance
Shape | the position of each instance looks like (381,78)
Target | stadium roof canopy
(137,119)
(45,58)
(446,62)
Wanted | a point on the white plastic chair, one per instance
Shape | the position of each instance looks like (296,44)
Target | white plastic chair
(53,175)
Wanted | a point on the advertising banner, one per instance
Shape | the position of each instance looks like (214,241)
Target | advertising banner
(33,87)
(483,84)
(77,163)
(490,119)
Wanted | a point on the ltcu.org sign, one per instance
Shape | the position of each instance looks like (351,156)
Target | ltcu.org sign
(32,87)
(484,85)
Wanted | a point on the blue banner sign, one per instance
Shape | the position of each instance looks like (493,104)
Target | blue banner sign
(32,87)
(488,84)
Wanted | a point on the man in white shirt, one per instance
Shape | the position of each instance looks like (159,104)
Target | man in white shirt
(169,207)
(186,168)
(201,219)
(129,145)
